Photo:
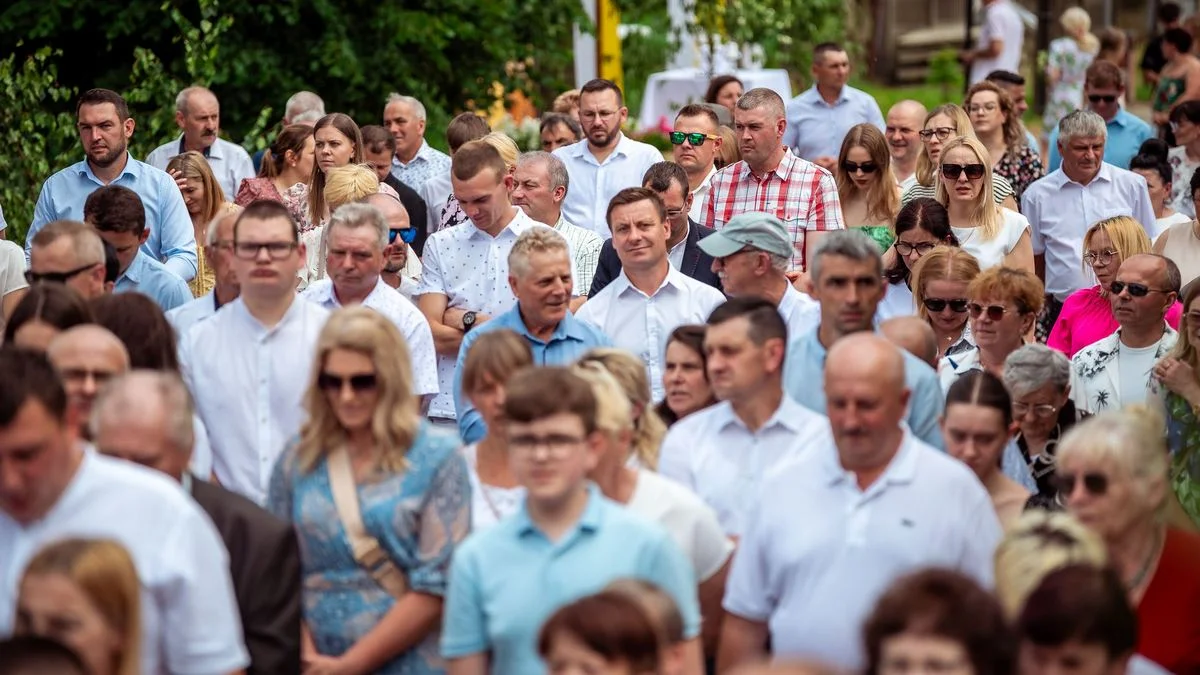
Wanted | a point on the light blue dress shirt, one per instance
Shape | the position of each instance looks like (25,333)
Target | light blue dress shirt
(172,239)
(149,277)
(1126,133)
(816,128)
(571,340)
(804,377)
(507,580)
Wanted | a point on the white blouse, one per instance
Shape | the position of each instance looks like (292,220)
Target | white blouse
(991,252)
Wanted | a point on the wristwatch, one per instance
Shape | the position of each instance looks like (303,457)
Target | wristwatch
(468,321)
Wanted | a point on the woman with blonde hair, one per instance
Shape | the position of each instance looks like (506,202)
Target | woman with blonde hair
(288,161)
(1038,543)
(379,500)
(648,427)
(940,281)
(204,199)
(491,360)
(1113,476)
(943,124)
(1067,64)
(1086,315)
(865,184)
(993,234)
(998,127)
(85,594)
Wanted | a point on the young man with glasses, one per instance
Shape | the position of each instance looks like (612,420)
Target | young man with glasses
(1114,372)
(1103,89)
(566,541)
(68,252)
(248,365)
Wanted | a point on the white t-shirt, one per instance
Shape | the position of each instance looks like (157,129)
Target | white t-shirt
(190,620)
(692,524)
(1000,22)
(1163,224)
(991,252)
(489,504)
(897,301)
(1134,367)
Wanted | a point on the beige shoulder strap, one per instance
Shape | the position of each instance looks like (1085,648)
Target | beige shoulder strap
(366,549)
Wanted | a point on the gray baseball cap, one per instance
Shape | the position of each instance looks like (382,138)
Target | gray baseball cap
(755,229)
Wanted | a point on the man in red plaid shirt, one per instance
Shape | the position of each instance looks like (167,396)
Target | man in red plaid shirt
(773,180)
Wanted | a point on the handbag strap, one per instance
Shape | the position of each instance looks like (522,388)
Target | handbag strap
(366,549)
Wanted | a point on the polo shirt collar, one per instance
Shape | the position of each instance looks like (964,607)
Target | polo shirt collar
(901,470)
(1121,119)
(589,521)
(569,328)
(211,152)
(136,270)
(132,169)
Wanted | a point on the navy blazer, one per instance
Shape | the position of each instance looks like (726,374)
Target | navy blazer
(696,263)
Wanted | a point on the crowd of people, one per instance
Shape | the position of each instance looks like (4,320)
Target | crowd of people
(852,391)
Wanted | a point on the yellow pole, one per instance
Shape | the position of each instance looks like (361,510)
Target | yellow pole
(608,43)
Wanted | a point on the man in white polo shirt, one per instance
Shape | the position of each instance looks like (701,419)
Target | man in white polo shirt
(605,161)
(55,487)
(723,452)
(830,531)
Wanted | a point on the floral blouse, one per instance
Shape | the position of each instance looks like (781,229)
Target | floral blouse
(1020,166)
(1183,441)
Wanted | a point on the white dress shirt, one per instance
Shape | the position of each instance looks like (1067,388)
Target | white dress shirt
(714,454)
(818,551)
(230,163)
(470,268)
(1060,211)
(189,615)
(675,254)
(700,197)
(435,192)
(593,185)
(401,311)
(640,323)
(183,317)
(799,311)
(249,383)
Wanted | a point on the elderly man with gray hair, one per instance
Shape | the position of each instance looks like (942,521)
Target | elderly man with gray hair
(358,244)
(198,114)
(145,417)
(1038,379)
(218,253)
(1061,206)
(415,161)
(539,273)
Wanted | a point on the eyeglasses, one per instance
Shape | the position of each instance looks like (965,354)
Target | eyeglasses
(1043,411)
(984,107)
(942,133)
(83,374)
(407,235)
(953,171)
(32,277)
(993,312)
(905,248)
(223,244)
(1096,484)
(1103,257)
(278,250)
(696,139)
(556,445)
(936,305)
(902,666)
(1136,290)
(1102,98)
(865,167)
(360,383)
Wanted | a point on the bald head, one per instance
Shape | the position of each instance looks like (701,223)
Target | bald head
(86,357)
(145,417)
(393,211)
(905,120)
(866,400)
(866,355)
(914,335)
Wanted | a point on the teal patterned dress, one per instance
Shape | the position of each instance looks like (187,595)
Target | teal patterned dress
(1066,96)
(1183,440)
(880,234)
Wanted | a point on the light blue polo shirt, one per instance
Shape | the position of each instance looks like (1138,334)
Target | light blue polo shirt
(1126,133)
(804,381)
(506,581)
(570,340)
(152,278)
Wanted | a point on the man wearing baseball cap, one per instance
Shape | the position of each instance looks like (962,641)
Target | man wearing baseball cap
(750,257)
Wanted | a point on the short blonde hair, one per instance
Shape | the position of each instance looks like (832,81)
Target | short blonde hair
(1128,236)
(350,183)
(630,373)
(943,263)
(507,148)
(534,240)
(1040,542)
(614,412)
(1133,439)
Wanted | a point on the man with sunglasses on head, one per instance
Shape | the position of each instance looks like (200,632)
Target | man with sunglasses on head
(1062,205)
(359,243)
(248,365)
(696,144)
(68,252)
(1103,88)
(1114,372)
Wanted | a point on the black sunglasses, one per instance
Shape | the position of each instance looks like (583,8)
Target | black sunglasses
(358,383)
(953,171)
(1136,290)
(994,312)
(32,277)
(1095,483)
(696,139)
(865,167)
(1102,98)
(936,305)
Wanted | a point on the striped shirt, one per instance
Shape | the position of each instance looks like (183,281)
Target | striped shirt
(1001,190)
(586,245)
(801,194)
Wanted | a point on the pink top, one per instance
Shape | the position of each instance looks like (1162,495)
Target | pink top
(1087,318)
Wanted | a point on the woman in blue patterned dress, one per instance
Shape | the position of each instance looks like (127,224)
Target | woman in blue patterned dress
(1066,65)
(412,490)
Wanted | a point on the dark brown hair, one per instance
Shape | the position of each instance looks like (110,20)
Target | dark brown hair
(1104,75)
(377,139)
(115,208)
(293,137)
(463,128)
(26,375)
(698,110)
(598,85)
(718,83)
(632,196)
(540,392)
(56,304)
(266,209)
(475,156)
(945,604)
(610,624)
(142,326)
(763,316)
(660,175)
(496,354)
(692,337)
(316,186)
(1082,603)
(101,96)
